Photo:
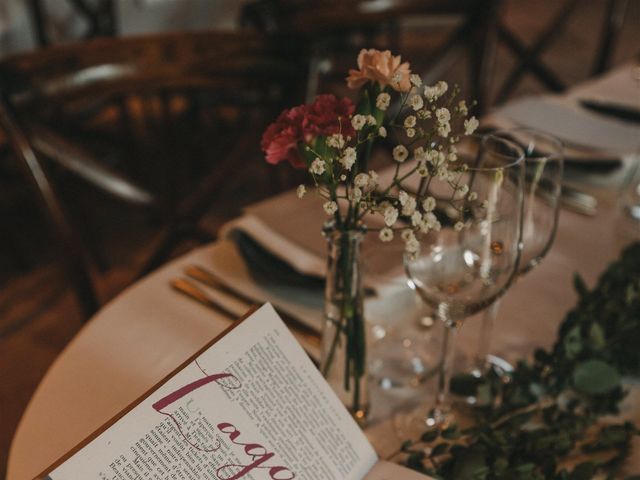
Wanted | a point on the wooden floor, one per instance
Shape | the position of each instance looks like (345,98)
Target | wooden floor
(38,313)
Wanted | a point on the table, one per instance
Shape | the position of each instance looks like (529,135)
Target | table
(147,330)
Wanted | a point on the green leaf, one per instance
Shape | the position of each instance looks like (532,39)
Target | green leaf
(464,384)
(596,337)
(595,377)
(583,471)
(573,342)
(430,435)
(580,285)
(439,449)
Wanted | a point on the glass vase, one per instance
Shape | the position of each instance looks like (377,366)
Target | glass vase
(343,360)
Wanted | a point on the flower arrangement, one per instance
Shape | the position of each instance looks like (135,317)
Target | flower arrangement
(333,139)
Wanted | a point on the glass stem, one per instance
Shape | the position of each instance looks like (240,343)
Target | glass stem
(484,339)
(444,373)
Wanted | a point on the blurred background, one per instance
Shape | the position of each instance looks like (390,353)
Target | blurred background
(130,129)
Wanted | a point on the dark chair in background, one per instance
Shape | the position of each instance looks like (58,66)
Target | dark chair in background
(340,28)
(165,123)
(529,56)
(99,17)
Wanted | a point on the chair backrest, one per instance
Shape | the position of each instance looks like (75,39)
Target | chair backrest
(52,101)
(63,88)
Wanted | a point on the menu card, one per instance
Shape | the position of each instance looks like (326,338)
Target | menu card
(250,405)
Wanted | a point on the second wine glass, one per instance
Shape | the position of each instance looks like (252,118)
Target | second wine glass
(543,164)
(468,263)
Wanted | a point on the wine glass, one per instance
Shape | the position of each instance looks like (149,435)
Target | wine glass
(543,163)
(468,263)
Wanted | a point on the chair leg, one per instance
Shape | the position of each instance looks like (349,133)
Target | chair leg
(614,19)
(70,248)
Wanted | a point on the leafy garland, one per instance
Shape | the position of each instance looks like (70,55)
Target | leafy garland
(548,411)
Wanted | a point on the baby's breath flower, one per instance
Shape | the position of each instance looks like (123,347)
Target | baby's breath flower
(336,140)
(371,120)
(431,93)
(431,221)
(436,91)
(424,114)
(361,180)
(317,166)
(470,125)
(410,121)
(411,132)
(343,177)
(358,121)
(373,179)
(422,170)
(355,194)
(415,80)
(396,79)
(420,154)
(416,102)
(416,218)
(442,172)
(400,153)
(386,234)
(458,226)
(473,196)
(461,191)
(428,204)
(383,100)
(442,87)
(403,197)
(409,207)
(462,108)
(330,207)
(412,245)
(444,129)
(390,215)
(432,156)
(407,235)
(301,190)
(348,158)
(382,132)
(452,157)
(443,115)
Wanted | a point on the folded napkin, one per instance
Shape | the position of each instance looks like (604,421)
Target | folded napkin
(289,228)
(281,240)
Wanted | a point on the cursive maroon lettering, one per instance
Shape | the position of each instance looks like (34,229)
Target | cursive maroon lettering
(259,456)
(232,383)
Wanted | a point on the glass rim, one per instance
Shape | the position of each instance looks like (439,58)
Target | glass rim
(552,139)
(514,160)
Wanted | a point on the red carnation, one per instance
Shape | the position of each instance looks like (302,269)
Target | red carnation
(330,115)
(325,116)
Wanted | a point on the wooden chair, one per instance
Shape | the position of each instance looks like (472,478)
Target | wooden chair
(333,27)
(164,123)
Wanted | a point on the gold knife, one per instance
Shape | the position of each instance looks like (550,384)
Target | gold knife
(207,277)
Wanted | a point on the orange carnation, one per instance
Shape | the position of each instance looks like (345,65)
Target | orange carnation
(381,67)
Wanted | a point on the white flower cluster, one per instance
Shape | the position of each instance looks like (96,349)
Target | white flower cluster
(433,121)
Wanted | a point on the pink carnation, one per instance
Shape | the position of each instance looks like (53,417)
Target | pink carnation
(381,67)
